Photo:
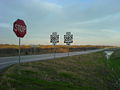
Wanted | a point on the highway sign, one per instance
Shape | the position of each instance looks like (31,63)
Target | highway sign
(54,38)
(19,27)
(68,38)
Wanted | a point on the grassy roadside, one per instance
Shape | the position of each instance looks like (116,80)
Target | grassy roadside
(114,66)
(84,72)
(12,50)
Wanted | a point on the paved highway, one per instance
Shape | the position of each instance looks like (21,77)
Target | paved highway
(7,61)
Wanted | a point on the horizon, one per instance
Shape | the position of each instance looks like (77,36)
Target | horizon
(57,45)
(92,22)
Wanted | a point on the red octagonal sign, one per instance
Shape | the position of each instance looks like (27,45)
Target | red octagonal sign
(20,28)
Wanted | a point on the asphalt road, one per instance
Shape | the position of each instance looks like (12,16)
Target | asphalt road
(7,61)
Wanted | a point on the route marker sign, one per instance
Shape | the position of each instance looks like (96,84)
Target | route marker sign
(54,38)
(68,39)
(20,29)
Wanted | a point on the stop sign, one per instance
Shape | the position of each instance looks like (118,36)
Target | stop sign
(20,28)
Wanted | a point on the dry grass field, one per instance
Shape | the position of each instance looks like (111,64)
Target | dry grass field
(12,50)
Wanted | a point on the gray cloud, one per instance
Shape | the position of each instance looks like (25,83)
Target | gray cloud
(94,20)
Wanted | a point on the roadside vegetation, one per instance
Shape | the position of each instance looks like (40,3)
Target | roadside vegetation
(114,66)
(84,72)
(12,50)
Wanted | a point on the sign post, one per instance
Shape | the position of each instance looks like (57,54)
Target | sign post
(54,38)
(20,29)
(19,49)
(68,39)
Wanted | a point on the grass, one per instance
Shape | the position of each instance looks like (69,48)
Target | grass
(84,72)
(49,46)
(12,50)
(114,66)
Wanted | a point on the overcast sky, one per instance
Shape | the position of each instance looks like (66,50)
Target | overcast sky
(92,22)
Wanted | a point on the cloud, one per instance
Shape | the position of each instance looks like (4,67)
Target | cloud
(4,25)
(89,20)
(97,9)
(108,22)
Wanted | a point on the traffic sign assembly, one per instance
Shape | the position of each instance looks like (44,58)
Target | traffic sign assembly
(20,29)
(54,38)
(68,39)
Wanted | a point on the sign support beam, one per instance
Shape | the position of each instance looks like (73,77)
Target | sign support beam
(19,50)
(54,51)
(54,39)
(68,48)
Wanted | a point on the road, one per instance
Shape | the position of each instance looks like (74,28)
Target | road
(7,61)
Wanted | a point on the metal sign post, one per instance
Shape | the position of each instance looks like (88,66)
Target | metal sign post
(68,48)
(19,49)
(68,39)
(54,38)
(54,51)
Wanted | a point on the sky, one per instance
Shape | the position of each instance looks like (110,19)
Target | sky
(92,22)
